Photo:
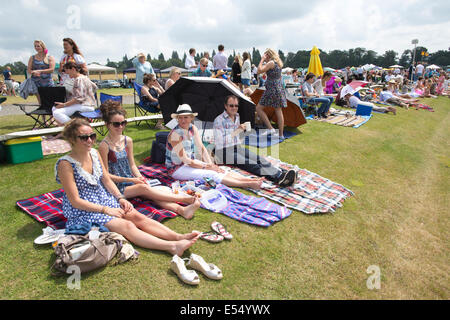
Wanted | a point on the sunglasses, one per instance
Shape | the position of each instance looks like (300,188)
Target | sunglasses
(204,65)
(234,105)
(85,138)
(118,124)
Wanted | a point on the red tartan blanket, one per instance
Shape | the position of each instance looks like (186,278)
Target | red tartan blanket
(47,208)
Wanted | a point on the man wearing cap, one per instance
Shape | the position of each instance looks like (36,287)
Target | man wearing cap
(228,149)
(142,67)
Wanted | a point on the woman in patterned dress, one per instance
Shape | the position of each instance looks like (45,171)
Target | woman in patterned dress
(274,95)
(90,196)
(40,67)
(116,151)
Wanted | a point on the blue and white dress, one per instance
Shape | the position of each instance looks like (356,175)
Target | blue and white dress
(90,188)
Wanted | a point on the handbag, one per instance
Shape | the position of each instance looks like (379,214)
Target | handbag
(89,255)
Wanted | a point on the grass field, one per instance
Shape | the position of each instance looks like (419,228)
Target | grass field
(398,220)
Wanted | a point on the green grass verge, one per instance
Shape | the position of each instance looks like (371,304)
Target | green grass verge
(397,166)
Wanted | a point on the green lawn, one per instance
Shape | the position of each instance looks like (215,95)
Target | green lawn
(397,166)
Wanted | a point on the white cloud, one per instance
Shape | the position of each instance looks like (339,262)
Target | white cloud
(110,29)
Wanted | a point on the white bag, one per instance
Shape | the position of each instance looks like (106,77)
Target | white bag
(213,200)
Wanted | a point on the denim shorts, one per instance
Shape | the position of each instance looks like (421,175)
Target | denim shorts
(245,82)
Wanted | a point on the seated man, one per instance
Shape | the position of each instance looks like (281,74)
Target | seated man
(202,70)
(228,149)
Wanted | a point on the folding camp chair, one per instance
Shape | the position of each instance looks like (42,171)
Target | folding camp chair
(139,107)
(306,104)
(96,115)
(48,96)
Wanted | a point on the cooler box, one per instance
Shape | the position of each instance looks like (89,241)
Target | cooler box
(363,110)
(23,150)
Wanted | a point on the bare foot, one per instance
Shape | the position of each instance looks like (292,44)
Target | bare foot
(188,212)
(194,235)
(181,246)
(188,199)
(255,184)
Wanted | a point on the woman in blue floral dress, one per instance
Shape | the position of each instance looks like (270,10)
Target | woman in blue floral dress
(274,95)
(116,151)
(90,196)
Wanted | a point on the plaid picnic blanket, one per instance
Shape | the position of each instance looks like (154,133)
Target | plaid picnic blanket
(311,194)
(47,208)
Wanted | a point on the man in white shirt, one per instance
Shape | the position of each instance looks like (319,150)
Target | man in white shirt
(220,60)
(190,61)
(419,70)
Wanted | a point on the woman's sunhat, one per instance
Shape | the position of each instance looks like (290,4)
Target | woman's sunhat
(183,109)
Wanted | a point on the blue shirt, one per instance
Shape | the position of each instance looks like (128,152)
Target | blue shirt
(141,69)
(7,74)
(200,73)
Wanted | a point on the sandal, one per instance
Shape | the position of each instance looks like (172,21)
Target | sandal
(208,269)
(185,275)
(220,229)
(211,237)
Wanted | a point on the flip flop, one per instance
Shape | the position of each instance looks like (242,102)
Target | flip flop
(211,237)
(220,229)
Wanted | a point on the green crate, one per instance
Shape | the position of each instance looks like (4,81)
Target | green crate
(23,150)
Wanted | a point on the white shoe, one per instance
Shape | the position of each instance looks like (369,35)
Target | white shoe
(187,276)
(208,269)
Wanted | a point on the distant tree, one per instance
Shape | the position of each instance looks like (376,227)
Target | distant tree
(175,55)
(256,56)
(282,56)
(213,53)
(184,59)
(440,58)
(405,58)
(149,58)
(388,58)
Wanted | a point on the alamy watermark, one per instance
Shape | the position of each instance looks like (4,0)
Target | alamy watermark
(374,280)
(73,21)
(74,281)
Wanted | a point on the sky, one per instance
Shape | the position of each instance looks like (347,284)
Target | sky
(110,28)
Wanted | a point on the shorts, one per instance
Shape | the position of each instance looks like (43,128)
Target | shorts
(9,84)
(245,82)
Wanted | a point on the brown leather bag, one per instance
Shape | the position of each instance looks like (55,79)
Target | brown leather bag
(97,255)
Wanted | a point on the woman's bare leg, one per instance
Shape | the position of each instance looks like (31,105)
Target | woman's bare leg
(145,240)
(157,229)
(263,116)
(280,121)
(231,181)
(186,212)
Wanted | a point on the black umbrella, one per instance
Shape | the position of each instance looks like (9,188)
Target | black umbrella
(206,96)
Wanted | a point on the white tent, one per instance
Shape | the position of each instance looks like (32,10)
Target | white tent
(433,66)
(167,70)
(286,70)
(396,66)
(93,67)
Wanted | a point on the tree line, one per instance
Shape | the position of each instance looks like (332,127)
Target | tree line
(335,59)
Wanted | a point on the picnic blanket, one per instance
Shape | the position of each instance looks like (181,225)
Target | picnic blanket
(253,210)
(311,194)
(255,139)
(348,120)
(47,208)
(55,146)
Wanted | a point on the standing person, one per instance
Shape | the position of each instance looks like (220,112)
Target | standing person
(190,60)
(41,67)
(220,60)
(236,70)
(174,75)
(254,74)
(229,150)
(188,159)
(71,54)
(312,95)
(142,67)
(419,70)
(246,74)
(10,91)
(83,96)
(274,95)
(90,196)
(116,151)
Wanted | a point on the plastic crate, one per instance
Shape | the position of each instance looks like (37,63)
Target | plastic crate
(23,150)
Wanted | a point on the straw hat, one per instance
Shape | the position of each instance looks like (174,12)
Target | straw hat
(140,55)
(337,79)
(392,81)
(183,109)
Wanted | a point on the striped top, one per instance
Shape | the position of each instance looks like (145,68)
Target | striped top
(173,161)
